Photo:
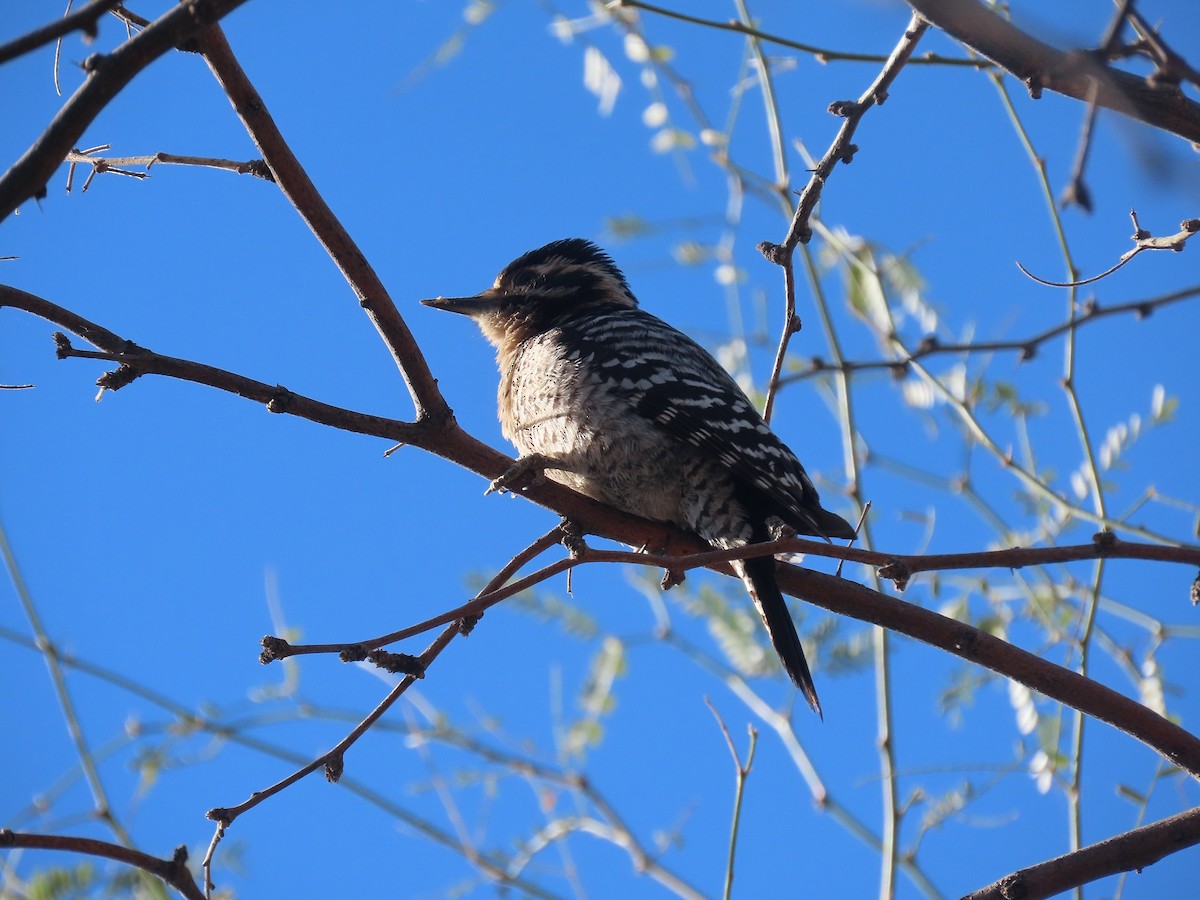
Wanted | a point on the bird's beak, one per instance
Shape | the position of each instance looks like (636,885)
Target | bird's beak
(467,306)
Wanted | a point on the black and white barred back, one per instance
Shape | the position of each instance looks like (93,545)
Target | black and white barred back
(624,408)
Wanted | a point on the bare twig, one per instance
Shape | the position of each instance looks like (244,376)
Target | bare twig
(821,54)
(107,76)
(791,325)
(332,761)
(741,773)
(1076,191)
(173,871)
(83,19)
(1027,347)
(1142,240)
(842,150)
(896,568)
(255,167)
(1172,69)
(275,648)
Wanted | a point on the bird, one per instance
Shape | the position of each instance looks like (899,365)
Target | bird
(601,396)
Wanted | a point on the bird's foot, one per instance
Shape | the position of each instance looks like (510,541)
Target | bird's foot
(526,472)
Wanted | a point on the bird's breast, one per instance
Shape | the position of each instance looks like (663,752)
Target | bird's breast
(566,408)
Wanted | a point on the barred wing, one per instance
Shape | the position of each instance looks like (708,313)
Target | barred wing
(674,382)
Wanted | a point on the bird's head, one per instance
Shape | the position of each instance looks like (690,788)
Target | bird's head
(543,289)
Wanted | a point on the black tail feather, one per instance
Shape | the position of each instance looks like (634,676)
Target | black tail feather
(764,589)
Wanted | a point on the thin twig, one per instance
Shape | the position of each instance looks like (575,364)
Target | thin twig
(822,54)
(276,648)
(741,773)
(842,150)
(1027,347)
(1172,69)
(83,19)
(1142,240)
(173,871)
(332,761)
(296,185)
(107,76)
(255,167)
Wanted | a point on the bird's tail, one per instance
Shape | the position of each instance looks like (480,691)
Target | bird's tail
(761,582)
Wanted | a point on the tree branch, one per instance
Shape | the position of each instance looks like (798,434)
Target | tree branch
(83,19)
(303,195)
(1079,74)
(173,871)
(1028,347)
(842,150)
(1133,850)
(835,594)
(107,77)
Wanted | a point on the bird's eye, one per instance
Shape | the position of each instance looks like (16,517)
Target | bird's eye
(524,278)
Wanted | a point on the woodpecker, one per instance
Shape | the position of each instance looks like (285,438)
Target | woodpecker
(609,400)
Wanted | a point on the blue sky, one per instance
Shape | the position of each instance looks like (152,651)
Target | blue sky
(156,528)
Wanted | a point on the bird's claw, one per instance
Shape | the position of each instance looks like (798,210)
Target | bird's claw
(526,472)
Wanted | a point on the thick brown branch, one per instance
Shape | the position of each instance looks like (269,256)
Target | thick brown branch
(173,871)
(107,76)
(1078,74)
(443,438)
(835,594)
(303,195)
(1128,852)
(856,601)
(1090,697)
